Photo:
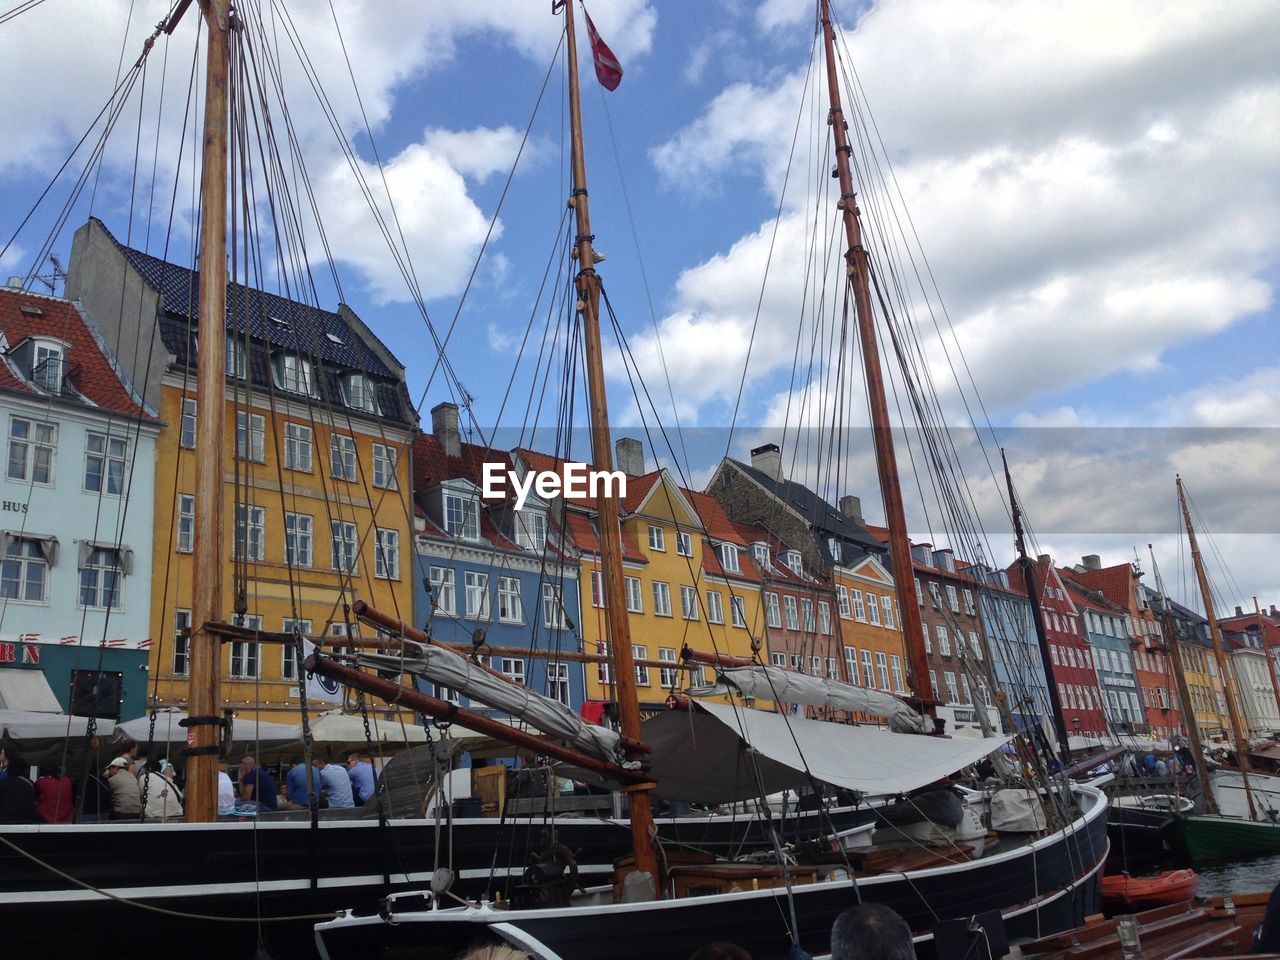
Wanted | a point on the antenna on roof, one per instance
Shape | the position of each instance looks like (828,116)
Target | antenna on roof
(51,279)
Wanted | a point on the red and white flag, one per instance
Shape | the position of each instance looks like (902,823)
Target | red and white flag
(608,69)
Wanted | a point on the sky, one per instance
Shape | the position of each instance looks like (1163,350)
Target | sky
(1092,191)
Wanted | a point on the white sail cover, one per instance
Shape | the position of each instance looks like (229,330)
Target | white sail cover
(705,755)
(542,713)
(774,683)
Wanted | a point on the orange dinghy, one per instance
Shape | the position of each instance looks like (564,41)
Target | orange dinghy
(1172,886)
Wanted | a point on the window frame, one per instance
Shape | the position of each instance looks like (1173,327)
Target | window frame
(108,458)
(386,461)
(32,447)
(295,537)
(340,466)
(386,553)
(251,437)
(338,540)
(299,440)
(510,603)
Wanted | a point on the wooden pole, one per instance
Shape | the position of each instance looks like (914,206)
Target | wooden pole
(1215,634)
(886,458)
(616,617)
(202,763)
(1210,800)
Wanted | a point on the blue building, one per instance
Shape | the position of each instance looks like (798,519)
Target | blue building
(1106,627)
(487,573)
(1014,652)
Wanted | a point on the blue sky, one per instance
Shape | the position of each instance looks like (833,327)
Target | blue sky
(1095,188)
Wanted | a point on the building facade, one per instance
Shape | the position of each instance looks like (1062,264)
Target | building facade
(76,504)
(870,630)
(1106,627)
(1014,649)
(1199,665)
(317,448)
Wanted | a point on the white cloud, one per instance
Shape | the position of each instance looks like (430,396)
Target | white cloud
(478,154)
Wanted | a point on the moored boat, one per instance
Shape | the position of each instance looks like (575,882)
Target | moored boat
(1140,893)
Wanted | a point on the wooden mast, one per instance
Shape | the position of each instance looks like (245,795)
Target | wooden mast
(1209,799)
(886,459)
(1215,633)
(1266,652)
(1037,618)
(202,764)
(616,618)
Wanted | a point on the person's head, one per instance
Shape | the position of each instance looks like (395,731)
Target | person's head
(494,951)
(720,950)
(356,758)
(871,931)
(247,765)
(117,765)
(167,769)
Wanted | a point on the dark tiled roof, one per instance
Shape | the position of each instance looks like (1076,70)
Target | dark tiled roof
(324,335)
(816,511)
(90,372)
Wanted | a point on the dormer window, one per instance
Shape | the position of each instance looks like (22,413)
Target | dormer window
(462,514)
(729,558)
(357,390)
(761,551)
(833,546)
(235,358)
(531,530)
(294,374)
(792,560)
(47,365)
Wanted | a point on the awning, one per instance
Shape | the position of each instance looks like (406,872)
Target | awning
(29,728)
(704,755)
(126,554)
(48,543)
(27,691)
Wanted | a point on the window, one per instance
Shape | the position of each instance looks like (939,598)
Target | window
(181,643)
(965,695)
(358,392)
(245,664)
(868,674)
(793,561)
(935,596)
(842,594)
(290,662)
(461,516)
(815,666)
(104,461)
(531,530)
(342,457)
(833,545)
(297,447)
(953,695)
(444,591)
(772,613)
(806,608)
(895,666)
(386,557)
(235,358)
(919,593)
(738,610)
(882,665)
(873,608)
(251,539)
(729,558)
(778,660)
(639,653)
(661,599)
(761,551)
(928,644)
(512,668)
(293,373)
(953,601)
(851,663)
(477,594)
(597,589)
(100,574)
(657,539)
(558,682)
(975,643)
(46,368)
(886,604)
(345,546)
(933,682)
(186,522)
(602,668)
(24,575)
(715,608)
(824,617)
(251,436)
(553,615)
(635,601)
(297,539)
(32,447)
(509,609)
(684,544)
(793,613)
(859,611)
(384,466)
(689,602)
(944,640)
(667,675)
(968,602)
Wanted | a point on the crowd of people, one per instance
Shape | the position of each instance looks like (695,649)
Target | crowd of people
(134,786)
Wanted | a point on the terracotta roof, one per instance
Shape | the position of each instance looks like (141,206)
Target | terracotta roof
(638,487)
(880,533)
(1088,597)
(583,536)
(1113,582)
(432,466)
(90,372)
(714,520)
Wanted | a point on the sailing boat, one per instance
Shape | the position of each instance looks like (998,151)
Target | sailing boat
(663,908)
(1215,834)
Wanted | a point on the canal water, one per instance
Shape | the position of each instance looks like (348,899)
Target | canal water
(1246,876)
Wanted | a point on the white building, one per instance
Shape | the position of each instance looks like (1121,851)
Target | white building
(1254,683)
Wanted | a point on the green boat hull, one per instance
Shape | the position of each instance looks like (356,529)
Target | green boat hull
(1204,839)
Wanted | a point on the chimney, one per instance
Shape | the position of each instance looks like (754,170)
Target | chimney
(444,427)
(1091,562)
(944,560)
(1044,558)
(851,507)
(1239,612)
(628,456)
(922,553)
(768,460)
(1274,612)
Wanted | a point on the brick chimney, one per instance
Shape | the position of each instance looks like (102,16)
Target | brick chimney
(628,456)
(768,460)
(1239,611)
(444,427)
(1044,558)
(1091,562)
(851,507)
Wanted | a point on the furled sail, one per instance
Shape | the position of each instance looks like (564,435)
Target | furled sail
(470,679)
(773,683)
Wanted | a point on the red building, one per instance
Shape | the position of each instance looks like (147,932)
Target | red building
(1070,656)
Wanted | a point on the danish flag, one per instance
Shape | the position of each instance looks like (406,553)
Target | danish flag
(608,69)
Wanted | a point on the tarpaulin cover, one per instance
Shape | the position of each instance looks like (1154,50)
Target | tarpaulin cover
(704,755)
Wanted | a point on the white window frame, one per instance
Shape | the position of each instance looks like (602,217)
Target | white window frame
(461,515)
(715,607)
(558,687)
(761,552)
(953,599)
(657,538)
(667,675)
(553,613)
(180,662)
(290,667)
(444,591)
(250,533)
(729,558)
(24,557)
(295,374)
(851,665)
(868,671)
(186,528)
(773,611)
(806,616)
(886,611)
(475,589)
(738,611)
(38,441)
(344,546)
(661,599)
(882,668)
(386,459)
(298,442)
(510,609)
(824,617)
(113,461)
(640,652)
(859,608)
(344,464)
(842,596)
(386,553)
(873,609)
(689,602)
(635,596)
(684,544)
(792,611)
(299,539)
(895,668)
(944,640)
(246,655)
(251,436)
(968,602)
(513,668)
(604,668)
(531,530)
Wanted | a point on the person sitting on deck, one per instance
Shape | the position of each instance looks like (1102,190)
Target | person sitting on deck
(871,931)
(335,784)
(363,778)
(257,785)
(126,797)
(55,798)
(295,784)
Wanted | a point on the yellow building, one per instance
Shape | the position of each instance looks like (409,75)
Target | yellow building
(870,624)
(1204,684)
(317,483)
